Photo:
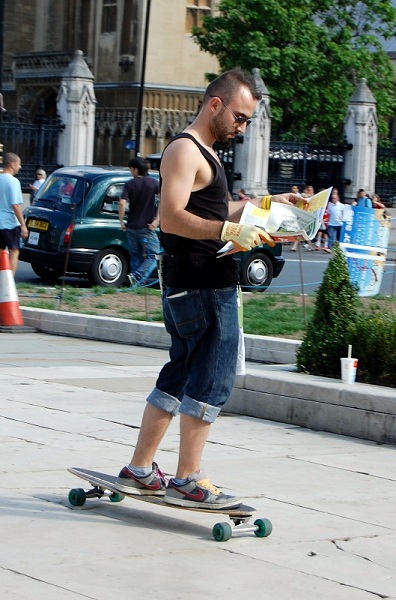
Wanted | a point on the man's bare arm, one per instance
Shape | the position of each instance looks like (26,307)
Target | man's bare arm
(18,213)
(121,212)
(184,170)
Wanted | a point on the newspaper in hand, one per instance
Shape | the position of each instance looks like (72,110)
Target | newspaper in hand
(286,222)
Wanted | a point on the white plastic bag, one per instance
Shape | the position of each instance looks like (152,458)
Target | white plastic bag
(240,368)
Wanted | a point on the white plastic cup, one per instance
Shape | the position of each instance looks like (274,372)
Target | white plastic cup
(348,370)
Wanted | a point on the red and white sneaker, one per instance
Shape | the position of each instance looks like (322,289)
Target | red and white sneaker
(153,484)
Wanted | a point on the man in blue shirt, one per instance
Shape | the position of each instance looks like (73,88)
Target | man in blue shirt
(12,223)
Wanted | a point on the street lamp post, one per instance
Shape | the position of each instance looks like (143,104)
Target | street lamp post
(142,80)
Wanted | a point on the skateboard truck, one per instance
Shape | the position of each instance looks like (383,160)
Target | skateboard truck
(224,531)
(77,496)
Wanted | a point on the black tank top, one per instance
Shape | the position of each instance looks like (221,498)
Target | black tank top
(191,263)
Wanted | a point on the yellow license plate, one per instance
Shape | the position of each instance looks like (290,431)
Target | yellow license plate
(35,224)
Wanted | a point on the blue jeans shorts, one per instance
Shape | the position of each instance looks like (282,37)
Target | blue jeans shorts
(199,377)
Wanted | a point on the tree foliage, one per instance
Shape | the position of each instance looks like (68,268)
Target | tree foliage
(311,55)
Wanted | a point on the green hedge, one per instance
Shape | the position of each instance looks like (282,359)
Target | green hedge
(374,344)
(340,320)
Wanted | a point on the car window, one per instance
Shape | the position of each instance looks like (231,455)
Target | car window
(64,190)
(112,198)
(114,193)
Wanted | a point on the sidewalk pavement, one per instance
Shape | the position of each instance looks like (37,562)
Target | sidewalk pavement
(271,388)
(74,402)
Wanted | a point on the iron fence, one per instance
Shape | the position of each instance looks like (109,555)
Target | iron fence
(35,141)
(385,176)
(299,163)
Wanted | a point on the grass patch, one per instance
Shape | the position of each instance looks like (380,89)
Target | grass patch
(278,315)
(98,290)
(281,315)
(71,301)
(153,317)
(100,305)
(39,303)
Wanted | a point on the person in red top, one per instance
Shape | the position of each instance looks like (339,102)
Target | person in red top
(67,189)
(375,199)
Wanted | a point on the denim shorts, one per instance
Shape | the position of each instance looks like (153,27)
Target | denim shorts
(200,374)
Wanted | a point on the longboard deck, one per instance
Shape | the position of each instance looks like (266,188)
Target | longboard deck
(108,482)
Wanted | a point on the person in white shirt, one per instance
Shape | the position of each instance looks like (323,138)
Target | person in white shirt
(336,217)
(37,183)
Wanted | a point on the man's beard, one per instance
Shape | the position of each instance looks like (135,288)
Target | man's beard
(220,132)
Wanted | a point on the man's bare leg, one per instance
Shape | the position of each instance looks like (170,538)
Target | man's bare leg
(193,435)
(14,254)
(155,422)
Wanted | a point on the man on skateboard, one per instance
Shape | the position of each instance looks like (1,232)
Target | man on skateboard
(199,295)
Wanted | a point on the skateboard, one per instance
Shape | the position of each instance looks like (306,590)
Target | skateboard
(106,485)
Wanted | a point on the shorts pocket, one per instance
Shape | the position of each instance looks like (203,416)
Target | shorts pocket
(187,312)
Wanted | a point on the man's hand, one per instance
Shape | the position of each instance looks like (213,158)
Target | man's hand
(24,232)
(245,237)
(153,225)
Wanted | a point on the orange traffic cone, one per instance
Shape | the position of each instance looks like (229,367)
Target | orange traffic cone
(10,313)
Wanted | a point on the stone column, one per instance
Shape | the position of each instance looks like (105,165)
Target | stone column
(251,157)
(76,104)
(361,132)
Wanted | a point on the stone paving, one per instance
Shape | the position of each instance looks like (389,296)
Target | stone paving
(73,402)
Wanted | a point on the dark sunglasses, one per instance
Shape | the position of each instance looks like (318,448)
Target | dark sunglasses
(238,120)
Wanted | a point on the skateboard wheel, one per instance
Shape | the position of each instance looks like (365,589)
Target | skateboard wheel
(116,497)
(264,527)
(77,497)
(222,532)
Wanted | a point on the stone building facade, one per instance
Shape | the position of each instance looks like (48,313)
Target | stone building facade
(41,37)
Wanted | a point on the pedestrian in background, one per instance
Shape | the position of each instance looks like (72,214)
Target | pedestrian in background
(242,195)
(142,221)
(376,200)
(336,211)
(295,190)
(322,234)
(12,223)
(363,199)
(37,183)
(307,192)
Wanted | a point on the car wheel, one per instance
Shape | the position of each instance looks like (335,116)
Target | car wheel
(47,274)
(257,272)
(109,268)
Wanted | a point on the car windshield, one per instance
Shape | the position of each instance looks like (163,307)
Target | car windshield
(66,190)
